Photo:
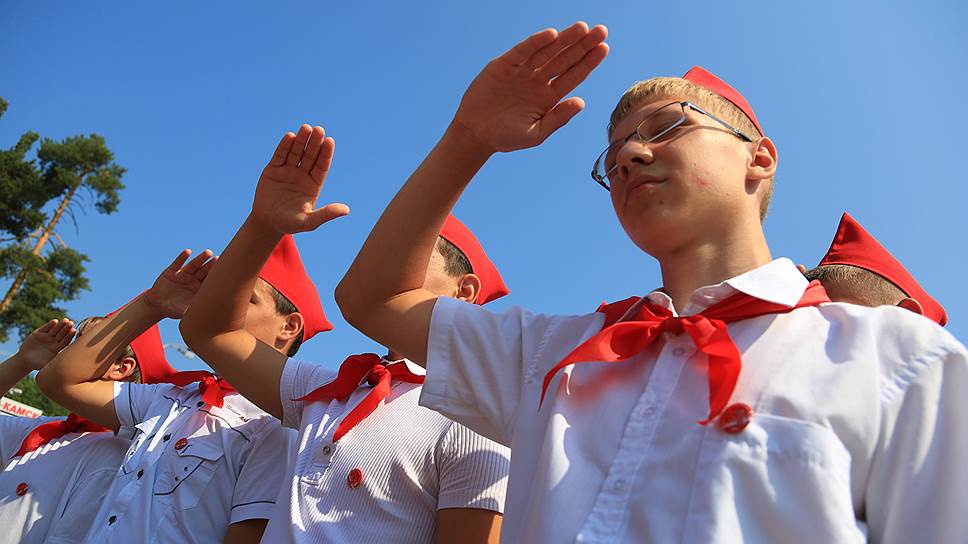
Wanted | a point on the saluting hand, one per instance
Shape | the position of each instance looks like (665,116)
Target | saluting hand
(175,288)
(45,342)
(516,101)
(285,198)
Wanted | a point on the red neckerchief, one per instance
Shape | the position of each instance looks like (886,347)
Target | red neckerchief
(44,433)
(351,373)
(621,341)
(212,387)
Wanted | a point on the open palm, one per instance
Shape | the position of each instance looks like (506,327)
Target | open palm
(44,343)
(516,101)
(177,285)
(285,198)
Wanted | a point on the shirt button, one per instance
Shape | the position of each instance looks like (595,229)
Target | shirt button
(22,488)
(200,404)
(678,352)
(327,450)
(141,473)
(112,519)
(735,418)
(166,438)
(181,443)
(355,478)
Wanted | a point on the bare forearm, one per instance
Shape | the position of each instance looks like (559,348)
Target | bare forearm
(222,301)
(12,371)
(408,228)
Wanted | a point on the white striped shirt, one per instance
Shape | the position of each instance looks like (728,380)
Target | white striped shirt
(413,461)
(62,482)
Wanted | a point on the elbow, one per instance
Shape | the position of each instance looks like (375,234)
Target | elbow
(47,382)
(189,332)
(350,302)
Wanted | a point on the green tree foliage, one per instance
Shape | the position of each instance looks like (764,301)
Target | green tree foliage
(35,194)
(30,394)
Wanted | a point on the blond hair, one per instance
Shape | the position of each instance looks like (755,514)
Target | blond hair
(674,88)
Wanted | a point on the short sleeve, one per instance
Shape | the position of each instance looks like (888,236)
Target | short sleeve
(13,430)
(473,470)
(264,472)
(299,378)
(918,486)
(479,362)
(132,403)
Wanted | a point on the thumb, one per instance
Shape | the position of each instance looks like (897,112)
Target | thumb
(327,213)
(559,115)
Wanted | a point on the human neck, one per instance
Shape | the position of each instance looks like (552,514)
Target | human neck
(709,261)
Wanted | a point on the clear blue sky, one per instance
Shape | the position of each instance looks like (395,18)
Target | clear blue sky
(864,103)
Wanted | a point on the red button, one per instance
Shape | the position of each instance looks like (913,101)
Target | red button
(181,443)
(355,478)
(735,418)
(22,489)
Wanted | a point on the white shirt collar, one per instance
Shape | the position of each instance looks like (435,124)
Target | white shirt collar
(778,282)
(411,366)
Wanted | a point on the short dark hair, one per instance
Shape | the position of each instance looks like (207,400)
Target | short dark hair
(870,286)
(284,306)
(455,262)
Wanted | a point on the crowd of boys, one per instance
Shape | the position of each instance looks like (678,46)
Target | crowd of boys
(744,400)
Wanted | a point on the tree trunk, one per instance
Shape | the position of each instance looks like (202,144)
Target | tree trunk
(41,242)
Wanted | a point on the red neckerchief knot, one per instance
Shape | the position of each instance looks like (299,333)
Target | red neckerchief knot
(707,329)
(351,373)
(42,434)
(212,387)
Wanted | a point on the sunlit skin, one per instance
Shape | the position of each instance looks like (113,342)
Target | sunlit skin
(266,324)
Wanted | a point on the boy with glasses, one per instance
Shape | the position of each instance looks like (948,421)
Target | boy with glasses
(733,404)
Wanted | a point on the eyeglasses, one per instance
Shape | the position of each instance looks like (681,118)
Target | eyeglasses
(658,125)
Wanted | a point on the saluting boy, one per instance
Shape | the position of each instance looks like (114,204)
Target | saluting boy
(56,470)
(859,270)
(733,404)
(205,464)
(372,465)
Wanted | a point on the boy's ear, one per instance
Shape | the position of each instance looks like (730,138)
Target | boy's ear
(468,288)
(911,304)
(292,327)
(762,165)
(121,370)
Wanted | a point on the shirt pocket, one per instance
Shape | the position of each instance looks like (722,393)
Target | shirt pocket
(186,471)
(779,480)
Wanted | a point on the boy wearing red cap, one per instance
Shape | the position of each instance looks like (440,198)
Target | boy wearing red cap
(204,464)
(56,470)
(859,270)
(372,465)
(731,405)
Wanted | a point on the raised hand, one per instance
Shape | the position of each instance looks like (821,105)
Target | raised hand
(516,101)
(175,288)
(44,343)
(285,198)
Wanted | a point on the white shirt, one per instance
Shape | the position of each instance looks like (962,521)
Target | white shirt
(858,433)
(414,462)
(65,481)
(192,469)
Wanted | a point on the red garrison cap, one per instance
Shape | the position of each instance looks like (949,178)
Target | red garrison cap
(854,246)
(703,78)
(150,353)
(285,272)
(492,286)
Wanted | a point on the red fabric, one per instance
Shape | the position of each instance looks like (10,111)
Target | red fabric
(854,246)
(212,387)
(150,353)
(621,341)
(285,272)
(42,434)
(700,76)
(351,373)
(492,286)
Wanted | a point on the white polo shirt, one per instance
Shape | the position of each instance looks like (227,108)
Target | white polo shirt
(192,469)
(61,483)
(410,462)
(859,430)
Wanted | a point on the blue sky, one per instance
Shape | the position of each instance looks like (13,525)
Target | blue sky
(863,102)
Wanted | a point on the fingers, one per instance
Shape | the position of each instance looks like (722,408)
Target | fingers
(327,213)
(323,160)
(202,272)
(520,53)
(282,150)
(195,264)
(565,38)
(560,115)
(298,145)
(176,265)
(571,55)
(316,139)
(46,327)
(565,83)
(63,331)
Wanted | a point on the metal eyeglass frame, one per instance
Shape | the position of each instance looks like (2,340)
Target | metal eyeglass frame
(603,180)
